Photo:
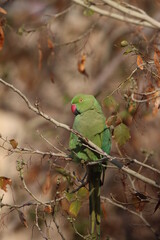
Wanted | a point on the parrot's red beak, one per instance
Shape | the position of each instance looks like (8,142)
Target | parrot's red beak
(74,109)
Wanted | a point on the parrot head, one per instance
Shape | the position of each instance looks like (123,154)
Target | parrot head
(82,103)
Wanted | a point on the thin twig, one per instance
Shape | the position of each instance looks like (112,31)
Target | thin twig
(31,151)
(58,228)
(28,204)
(143,100)
(146,166)
(47,141)
(78,39)
(139,215)
(37,224)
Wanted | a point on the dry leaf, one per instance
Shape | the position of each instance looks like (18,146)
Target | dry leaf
(156,106)
(3,183)
(22,218)
(13,143)
(48,209)
(2,10)
(140,62)
(139,201)
(1,38)
(81,65)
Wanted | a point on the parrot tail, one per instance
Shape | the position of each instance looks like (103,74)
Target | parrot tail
(94,177)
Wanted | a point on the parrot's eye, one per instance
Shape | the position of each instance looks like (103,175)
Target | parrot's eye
(80,100)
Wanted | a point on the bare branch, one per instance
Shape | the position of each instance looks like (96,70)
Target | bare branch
(145,165)
(143,100)
(30,203)
(20,150)
(135,17)
(139,215)
(37,224)
(131,11)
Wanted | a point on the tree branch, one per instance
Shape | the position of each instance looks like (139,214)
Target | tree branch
(139,215)
(131,11)
(134,17)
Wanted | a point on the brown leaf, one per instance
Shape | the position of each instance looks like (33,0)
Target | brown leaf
(139,201)
(140,62)
(48,209)
(3,11)
(13,143)
(1,38)
(81,65)
(22,218)
(3,183)
(156,106)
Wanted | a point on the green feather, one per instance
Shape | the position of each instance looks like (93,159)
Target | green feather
(90,122)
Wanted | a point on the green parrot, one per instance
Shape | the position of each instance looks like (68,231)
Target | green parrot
(90,123)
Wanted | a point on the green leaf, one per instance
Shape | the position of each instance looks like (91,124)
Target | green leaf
(82,193)
(70,196)
(121,134)
(74,208)
(111,103)
(124,115)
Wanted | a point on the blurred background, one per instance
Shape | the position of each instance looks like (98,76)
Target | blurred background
(52,51)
